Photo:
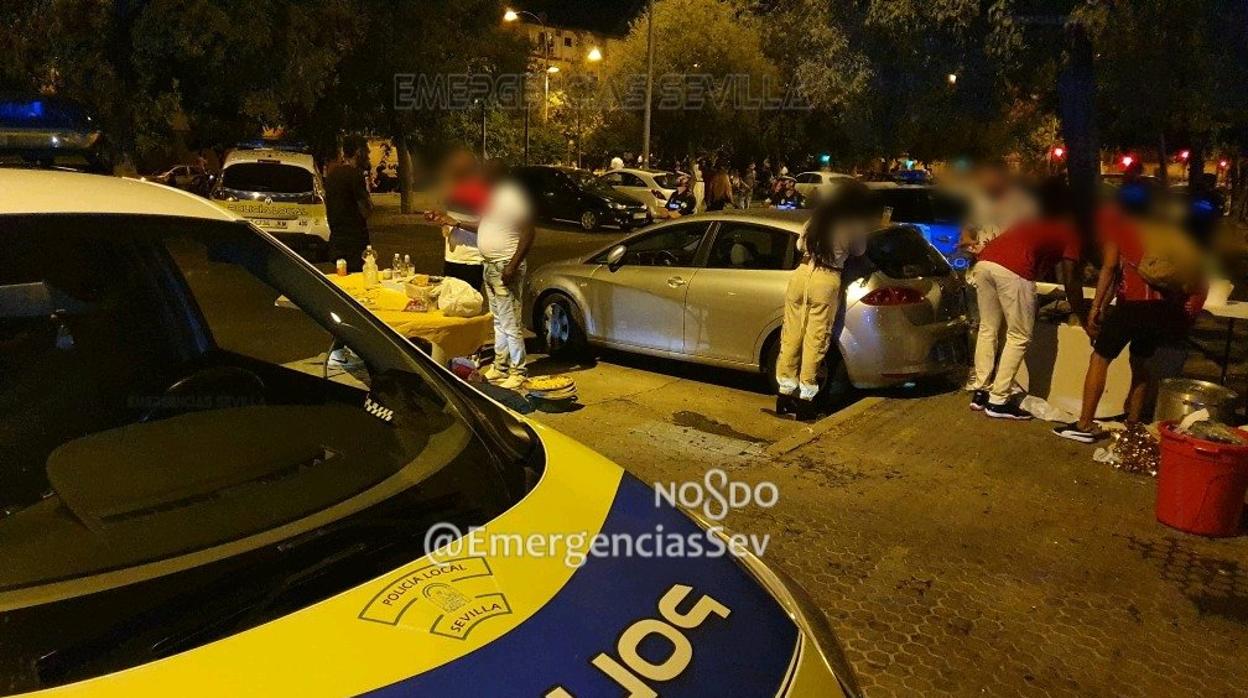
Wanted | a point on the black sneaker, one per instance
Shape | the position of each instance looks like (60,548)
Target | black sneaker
(1009,410)
(786,406)
(1074,433)
(979,400)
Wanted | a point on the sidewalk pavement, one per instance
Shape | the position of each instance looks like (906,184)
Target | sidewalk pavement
(954,554)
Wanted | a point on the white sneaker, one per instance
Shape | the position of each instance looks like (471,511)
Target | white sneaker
(493,375)
(513,382)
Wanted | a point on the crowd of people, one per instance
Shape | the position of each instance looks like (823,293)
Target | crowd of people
(714,184)
(1018,234)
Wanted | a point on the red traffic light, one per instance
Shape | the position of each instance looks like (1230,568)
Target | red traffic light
(1059,152)
(1127,160)
(1185,154)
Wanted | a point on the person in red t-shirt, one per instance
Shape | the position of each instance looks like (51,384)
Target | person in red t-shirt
(1005,284)
(1142,317)
(465,193)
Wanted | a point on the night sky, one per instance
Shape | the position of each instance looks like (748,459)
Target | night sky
(609,16)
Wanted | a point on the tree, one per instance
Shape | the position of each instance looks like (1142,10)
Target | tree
(142,65)
(433,39)
(709,67)
(878,75)
(1171,71)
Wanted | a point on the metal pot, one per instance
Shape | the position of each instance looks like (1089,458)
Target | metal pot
(1179,397)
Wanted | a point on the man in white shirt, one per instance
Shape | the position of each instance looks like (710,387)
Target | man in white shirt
(996,204)
(504,235)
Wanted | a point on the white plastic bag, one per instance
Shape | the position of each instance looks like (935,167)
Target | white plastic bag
(1042,409)
(457,299)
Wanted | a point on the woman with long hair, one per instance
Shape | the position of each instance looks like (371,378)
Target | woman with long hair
(836,231)
(719,191)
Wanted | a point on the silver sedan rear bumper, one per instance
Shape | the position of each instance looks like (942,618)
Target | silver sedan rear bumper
(896,350)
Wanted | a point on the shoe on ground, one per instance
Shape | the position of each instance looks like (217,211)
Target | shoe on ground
(513,382)
(1074,433)
(493,375)
(979,400)
(805,410)
(1009,410)
(786,406)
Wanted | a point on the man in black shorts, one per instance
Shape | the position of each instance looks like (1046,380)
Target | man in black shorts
(1127,311)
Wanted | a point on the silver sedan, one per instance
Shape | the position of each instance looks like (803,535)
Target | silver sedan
(710,289)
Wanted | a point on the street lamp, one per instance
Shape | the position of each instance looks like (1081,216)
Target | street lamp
(952,78)
(594,56)
(511,16)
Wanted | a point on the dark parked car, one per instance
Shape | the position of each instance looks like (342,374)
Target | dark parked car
(577,196)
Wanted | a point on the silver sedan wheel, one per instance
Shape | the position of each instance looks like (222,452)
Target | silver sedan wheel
(558,326)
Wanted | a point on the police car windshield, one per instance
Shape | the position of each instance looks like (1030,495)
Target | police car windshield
(176,392)
(267,178)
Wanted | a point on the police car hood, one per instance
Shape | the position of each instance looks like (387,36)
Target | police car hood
(503,612)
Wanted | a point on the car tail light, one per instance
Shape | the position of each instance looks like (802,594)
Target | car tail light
(893,295)
(658,195)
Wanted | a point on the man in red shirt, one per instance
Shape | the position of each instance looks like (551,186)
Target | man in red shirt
(1127,310)
(1005,284)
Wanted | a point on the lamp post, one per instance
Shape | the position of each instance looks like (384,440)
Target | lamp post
(645,128)
(514,16)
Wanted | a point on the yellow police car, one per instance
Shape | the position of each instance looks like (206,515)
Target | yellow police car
(193,503)
(280,190)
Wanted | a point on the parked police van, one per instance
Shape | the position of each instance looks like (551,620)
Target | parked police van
(279,189)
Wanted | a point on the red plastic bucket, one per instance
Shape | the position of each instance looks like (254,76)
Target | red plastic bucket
(1201,484)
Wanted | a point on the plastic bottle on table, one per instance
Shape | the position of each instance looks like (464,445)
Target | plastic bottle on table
(370,267)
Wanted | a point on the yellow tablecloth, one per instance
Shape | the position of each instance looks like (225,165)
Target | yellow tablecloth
(450,336)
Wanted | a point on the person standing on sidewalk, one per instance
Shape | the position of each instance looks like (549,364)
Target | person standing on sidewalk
(1005,286)
(718,191)
(749,180)
(997,203)
(504,235)
(1129,310)
(836,231)
(348,205)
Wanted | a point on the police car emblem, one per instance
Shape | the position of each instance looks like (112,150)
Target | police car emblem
(449,598)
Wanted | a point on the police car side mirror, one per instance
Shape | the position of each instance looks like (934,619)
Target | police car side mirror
(615,258)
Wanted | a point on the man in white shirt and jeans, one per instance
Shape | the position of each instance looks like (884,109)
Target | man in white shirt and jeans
(504,235)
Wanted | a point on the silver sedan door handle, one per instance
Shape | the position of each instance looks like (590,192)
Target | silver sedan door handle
(676,282)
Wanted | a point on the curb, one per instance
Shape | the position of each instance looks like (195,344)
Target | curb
(809,433)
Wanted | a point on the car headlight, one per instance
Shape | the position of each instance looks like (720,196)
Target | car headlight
(801,608)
